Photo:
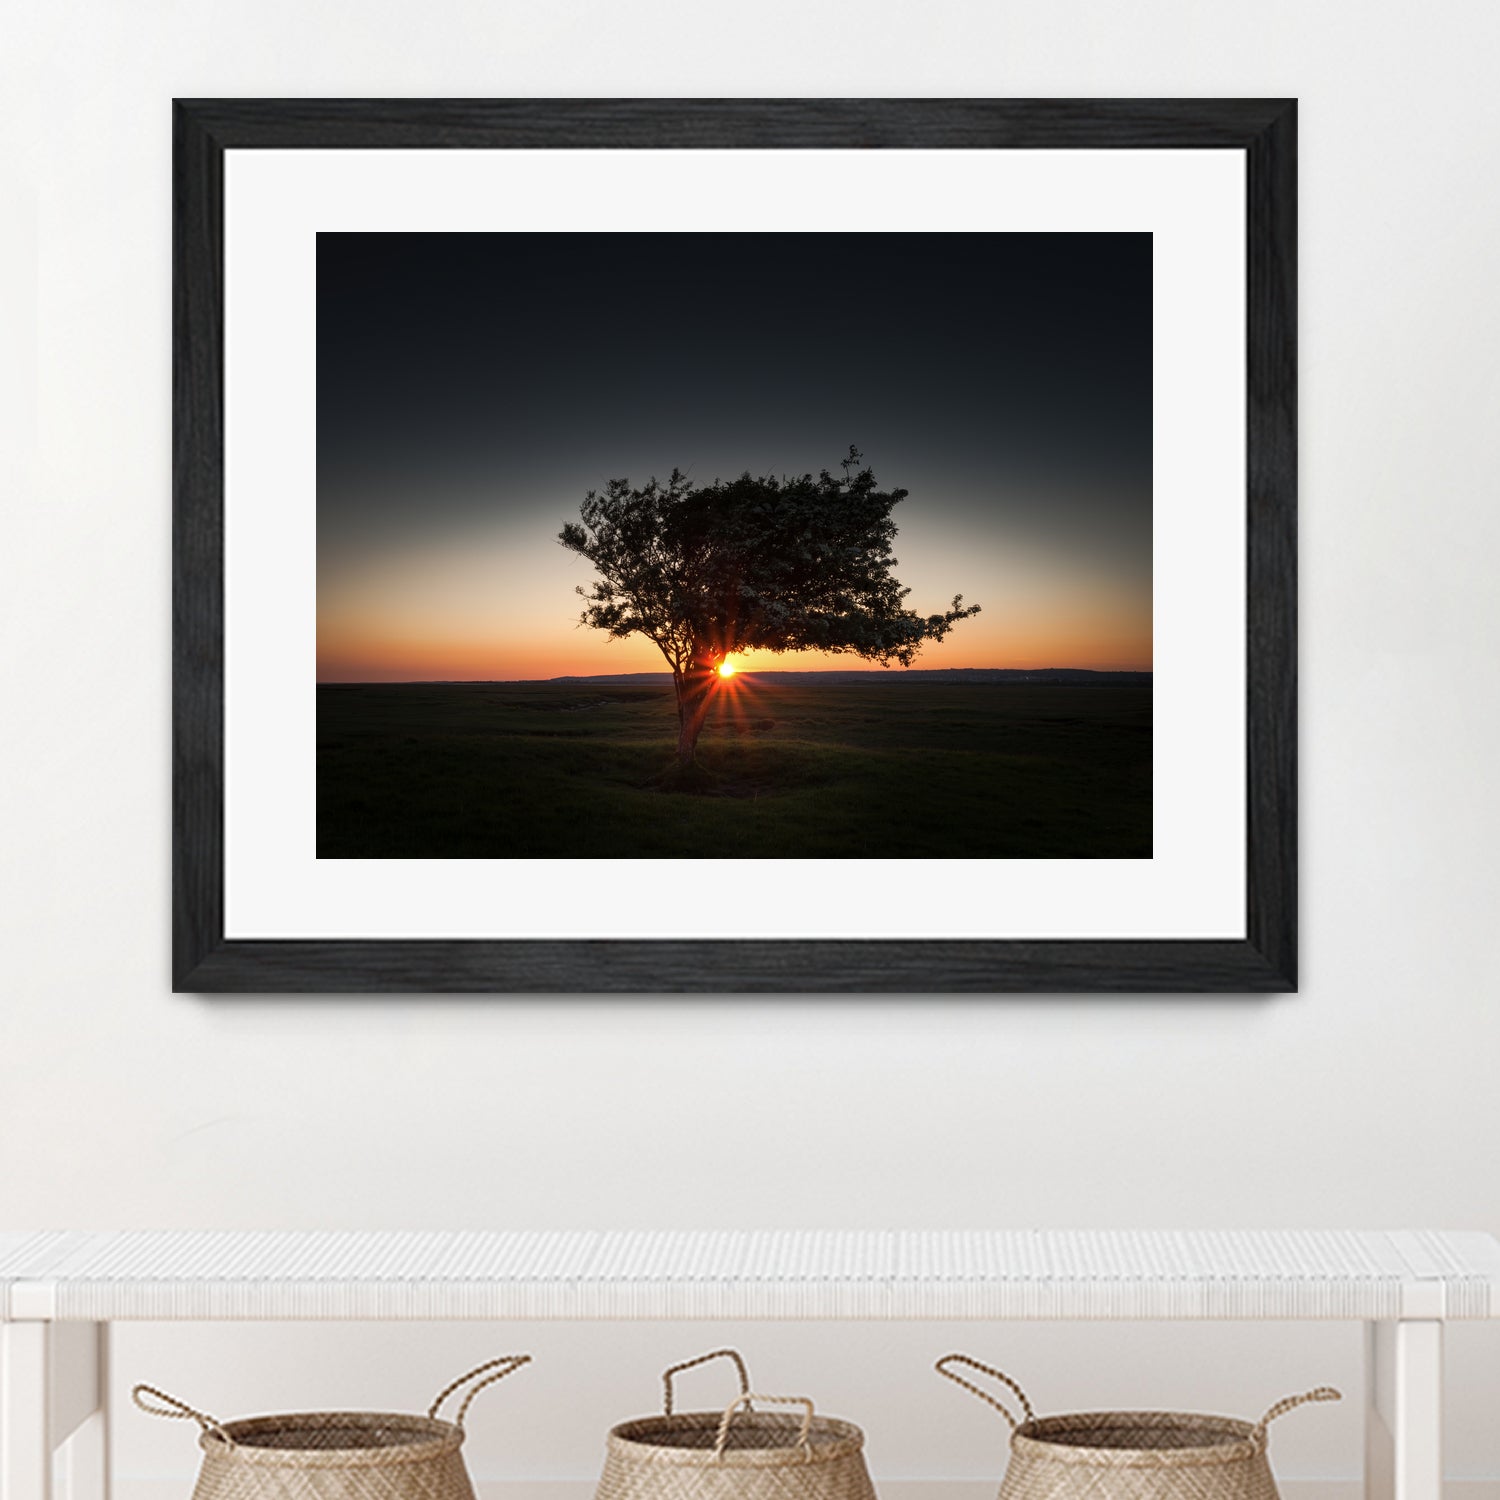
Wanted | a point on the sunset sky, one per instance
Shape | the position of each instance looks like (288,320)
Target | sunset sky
(472,388)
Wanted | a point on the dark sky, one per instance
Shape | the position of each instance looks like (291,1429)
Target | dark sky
(472,387)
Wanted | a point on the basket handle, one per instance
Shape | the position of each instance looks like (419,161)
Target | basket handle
(511,1363)
(702,1359)
(172,1407)
(1291,1403)
(746,1398)
(963,1359)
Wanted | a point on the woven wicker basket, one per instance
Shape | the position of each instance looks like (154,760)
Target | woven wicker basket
(335,1455)
(1132,1455)
(735,1454)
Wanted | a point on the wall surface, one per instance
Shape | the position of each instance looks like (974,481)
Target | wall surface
(1367,1100)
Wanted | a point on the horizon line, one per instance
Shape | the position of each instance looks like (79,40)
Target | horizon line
(742,672)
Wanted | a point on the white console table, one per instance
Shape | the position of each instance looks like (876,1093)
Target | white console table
(61,1291)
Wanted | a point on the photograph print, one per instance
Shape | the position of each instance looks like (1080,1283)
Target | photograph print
(735,545)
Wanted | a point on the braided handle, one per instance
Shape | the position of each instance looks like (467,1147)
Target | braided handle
(511,1363)
(172,1407)
(963,1359)
(1291,1403)
(746,1398)
(702,1359)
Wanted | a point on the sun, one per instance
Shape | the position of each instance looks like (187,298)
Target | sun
(726,669)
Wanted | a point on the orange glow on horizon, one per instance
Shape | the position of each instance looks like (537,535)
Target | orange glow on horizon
(449,615)
(404,651)
(393,660)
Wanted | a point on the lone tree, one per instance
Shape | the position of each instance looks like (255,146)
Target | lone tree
(765,564)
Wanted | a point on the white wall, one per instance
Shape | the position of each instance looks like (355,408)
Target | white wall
(1367,1100)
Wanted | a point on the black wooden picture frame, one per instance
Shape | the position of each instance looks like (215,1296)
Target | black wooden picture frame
(1265,960)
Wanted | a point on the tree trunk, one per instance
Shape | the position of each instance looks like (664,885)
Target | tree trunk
(694,694)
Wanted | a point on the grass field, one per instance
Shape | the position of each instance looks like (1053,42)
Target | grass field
(815,770)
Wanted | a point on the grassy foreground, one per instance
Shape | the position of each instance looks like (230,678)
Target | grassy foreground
(817,770)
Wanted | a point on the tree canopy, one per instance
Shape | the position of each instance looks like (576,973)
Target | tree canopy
(800,564)
(754,563)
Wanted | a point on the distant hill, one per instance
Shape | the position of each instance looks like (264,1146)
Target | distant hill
(950,676)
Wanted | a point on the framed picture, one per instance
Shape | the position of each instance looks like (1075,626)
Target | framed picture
(735,545)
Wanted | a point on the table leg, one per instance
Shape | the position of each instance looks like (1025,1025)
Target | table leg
(52,1396)
(1404,1410)
(25,1453)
